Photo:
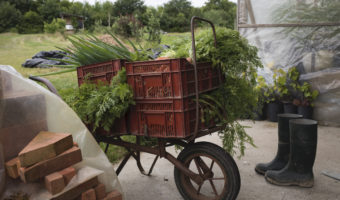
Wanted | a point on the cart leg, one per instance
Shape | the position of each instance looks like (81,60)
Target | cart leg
(153,164)
(107,147)
(122,164)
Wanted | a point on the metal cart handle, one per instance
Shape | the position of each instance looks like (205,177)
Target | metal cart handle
(195,66)
(48,84)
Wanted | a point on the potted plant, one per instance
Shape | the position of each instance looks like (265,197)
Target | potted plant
(282,81)
(260,89)
(274,106)
(305,100)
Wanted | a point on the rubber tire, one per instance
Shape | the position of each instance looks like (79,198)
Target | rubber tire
(227,162)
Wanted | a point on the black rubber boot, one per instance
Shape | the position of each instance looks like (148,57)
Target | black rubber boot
(299,170)
(282,155)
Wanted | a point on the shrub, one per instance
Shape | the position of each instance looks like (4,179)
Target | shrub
(9,16)
(127,26)
(57,25)
(32,22)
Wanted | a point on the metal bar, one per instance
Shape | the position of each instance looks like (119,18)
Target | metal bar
(139,164)
(129,145)
(250,11)
(238,15)
(193,176)
(106,148)
(195,66)
(316,24)
(122,164)
(46,82)
(153,165)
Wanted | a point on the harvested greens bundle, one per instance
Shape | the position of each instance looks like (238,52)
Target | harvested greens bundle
(101,104)
(237,97)
(89,49)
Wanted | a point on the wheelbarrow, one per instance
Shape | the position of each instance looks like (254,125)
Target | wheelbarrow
(202,170)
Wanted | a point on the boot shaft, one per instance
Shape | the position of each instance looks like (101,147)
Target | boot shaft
(283,127)
(303,140)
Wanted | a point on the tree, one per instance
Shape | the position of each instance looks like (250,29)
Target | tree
(152,27)
(176,15)
(108,10)
(32,22)
(221,12)
(9,16)
(128,7)
(25,5)
(49,10)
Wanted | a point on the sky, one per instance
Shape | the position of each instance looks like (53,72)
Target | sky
(155,3)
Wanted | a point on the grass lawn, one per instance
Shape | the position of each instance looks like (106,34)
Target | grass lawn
(16,48)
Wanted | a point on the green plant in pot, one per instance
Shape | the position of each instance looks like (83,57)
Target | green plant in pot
(287,85)
(260,89)
(274,94)
(274,105)
(306,97)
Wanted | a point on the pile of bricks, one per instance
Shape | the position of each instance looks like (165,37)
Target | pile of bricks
(49,158)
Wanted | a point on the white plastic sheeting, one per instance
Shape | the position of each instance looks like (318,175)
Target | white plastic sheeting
(300,33)
(60,119)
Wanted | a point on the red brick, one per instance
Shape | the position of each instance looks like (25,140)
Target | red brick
(12,168)
(68,174)
(100,191)
(26,132)
(43,168)
(89,195)
(78,190)
(54,183)
(114,195)
(45,145)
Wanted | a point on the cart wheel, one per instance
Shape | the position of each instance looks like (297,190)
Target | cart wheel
(217,168)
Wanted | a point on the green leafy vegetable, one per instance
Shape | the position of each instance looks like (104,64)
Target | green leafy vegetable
(101,104)
(88,49)
(237,97)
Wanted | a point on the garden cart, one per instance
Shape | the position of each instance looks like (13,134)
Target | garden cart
(167,109)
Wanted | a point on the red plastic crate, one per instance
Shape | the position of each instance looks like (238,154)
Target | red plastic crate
(170,78)
(172,118)
(118,128)
(100,71)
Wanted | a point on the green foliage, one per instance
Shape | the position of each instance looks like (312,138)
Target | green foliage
(280,85)
(127,26)
(57,25)
(237,97)
(32,22)
(127,7)
(176,15)
(89,50)
(303,94)
(153,27)
(101,104)
(9,16)
(221,12)
(308,94)
(179,47)
(49,10)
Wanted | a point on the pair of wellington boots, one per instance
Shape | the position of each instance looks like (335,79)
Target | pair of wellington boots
(293,164)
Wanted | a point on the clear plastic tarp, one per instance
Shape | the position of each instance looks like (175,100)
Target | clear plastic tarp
(300,33)
(27,108)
